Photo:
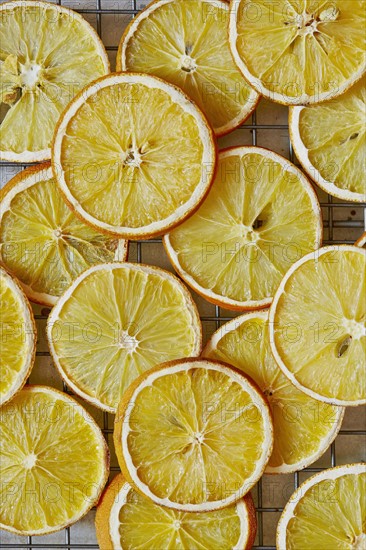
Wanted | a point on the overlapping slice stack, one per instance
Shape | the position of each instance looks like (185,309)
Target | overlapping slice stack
(260,215)
(47,54)
(42,242)
(185,42)
(303,427)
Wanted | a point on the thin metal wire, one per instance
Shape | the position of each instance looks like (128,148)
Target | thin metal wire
(218,318)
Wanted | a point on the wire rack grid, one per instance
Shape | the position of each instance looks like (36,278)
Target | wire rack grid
(343,223)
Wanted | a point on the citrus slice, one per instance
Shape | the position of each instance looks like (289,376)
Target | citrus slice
(126,520)
(212,434)
(54,462)
(361,242)
(47,54)
(185,42)
(303,427)
(133,155)
(18,337)
(327,512)
(299,52)
(114,322)
(41,240)
(317,325)
(330,142)
(260,216)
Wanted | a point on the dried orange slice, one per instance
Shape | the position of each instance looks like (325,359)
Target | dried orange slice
(212,433)
(42,242)
(185,42)
(338,493)
(125,520)
(18,337)
(133,156)
(54,461)
(47,54)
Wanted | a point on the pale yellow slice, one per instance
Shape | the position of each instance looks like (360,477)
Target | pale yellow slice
(47,54)
(133,155)
(116,321)
(299,52)
(318,325)
(303,427)
(330,142)
(185,42)
(126,520)
(42,242)
(54,462)
(259,217)
(18,337)
(326,512)
(193,435)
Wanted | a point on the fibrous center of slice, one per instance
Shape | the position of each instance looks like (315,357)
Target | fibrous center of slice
(30,74)
(307,23)
(30,461)
(126,341)
(177,524)
(188,64)
(354,328)
(198,438)
(248,233)
(360,542)
(132,157)
(57,233)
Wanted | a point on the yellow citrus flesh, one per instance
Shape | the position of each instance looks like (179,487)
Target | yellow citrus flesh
(125,319)
(185,42)
(127,520)
(41,240)
(260,215)
(211,429)
(330,142)
(327,512)
(303,427)
(122,168)
(299,52)
(47,55)
(18,337)
(54,461)
(317,325)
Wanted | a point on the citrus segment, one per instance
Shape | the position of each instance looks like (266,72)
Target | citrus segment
(317,325)
(212,434)
(115,322)
(299,52)
(41,240)
(327,512)
(121,168)
(18,337)
(47,54)
(303,427)
(260,215)
(330,142)
(54,461)
(126,520)
(185,42)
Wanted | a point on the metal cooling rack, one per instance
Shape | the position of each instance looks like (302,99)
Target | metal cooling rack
(339,228)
